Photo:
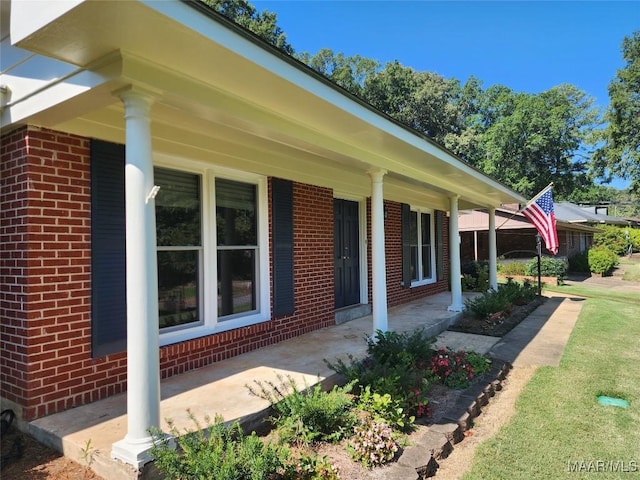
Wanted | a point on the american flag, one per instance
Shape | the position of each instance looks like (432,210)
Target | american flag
(540,212)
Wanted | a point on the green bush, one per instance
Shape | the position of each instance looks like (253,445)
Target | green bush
(549,267)
(602,260)
(217,451)
(512,268)
(308,416)
(392,367)
(475,276)
(612,237)
(579,262)
(500,300)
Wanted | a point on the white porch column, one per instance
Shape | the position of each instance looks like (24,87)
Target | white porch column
(378,267)
(143,358)
(454,255)
(493,251)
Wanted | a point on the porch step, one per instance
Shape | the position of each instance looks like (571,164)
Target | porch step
(352,312)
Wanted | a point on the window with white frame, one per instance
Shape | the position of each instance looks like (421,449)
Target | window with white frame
(237,246)
(192,276)
(179,239)
(422,247)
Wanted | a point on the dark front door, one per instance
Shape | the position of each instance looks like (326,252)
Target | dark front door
(346,252)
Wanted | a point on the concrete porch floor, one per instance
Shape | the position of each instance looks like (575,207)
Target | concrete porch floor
(220,388)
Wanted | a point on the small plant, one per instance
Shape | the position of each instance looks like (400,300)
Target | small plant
(87,454)
(457,369)
(372,444)
(384,409)
(217,451)
(304,417)
(311,467)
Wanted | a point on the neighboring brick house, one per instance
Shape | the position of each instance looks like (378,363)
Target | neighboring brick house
(160,212)
(516,236)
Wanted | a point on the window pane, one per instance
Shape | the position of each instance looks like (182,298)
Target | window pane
(414,245)
(236,281)
(236,213)
(426,261)
(177,208)
(426,229)
(178,287)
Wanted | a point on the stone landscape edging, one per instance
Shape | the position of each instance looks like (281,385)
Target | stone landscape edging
(437,443)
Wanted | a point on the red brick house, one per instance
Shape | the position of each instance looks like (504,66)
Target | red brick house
(175,192)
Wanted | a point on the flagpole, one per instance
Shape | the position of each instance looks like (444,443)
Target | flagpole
(542,192)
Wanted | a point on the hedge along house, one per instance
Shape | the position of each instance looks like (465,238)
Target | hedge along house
(176,192)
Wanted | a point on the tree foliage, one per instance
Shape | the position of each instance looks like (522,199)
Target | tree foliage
(620,154)
(264,24)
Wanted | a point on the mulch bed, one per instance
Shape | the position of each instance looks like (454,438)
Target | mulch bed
(497,327)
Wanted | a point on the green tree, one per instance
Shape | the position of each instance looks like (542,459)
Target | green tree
(620,154)
(348,72)
(264,24)
(531,140)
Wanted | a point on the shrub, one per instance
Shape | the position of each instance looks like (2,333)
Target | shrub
(475,276)
(512,268)
(372,444)
(500,300)
(549,267)
(601,260)
(219,452)
(392,367)
(306,417)
(457,369)
(579,262)
(612,237)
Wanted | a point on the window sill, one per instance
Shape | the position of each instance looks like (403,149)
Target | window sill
(421,283)
(186,334)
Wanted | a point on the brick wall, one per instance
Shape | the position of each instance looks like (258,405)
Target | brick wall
(45,276)
(396,293)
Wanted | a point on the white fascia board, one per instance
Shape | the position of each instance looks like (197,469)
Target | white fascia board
(29,16)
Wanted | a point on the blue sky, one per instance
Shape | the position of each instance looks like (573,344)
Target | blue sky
(527,46)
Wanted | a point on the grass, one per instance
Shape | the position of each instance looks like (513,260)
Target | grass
(595,292)
(632,272)
(558,420)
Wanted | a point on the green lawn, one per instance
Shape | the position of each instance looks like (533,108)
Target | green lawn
(558,423)
(594,292)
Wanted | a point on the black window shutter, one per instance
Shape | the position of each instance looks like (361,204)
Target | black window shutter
(406,245)
(108,250)
(439,245)
(282,227)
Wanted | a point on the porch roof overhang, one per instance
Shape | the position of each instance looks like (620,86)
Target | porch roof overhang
(226,97)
